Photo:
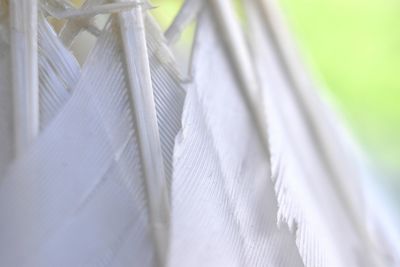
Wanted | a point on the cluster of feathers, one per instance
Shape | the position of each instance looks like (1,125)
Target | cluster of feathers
(128,159)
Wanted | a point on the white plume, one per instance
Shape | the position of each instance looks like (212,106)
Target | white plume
(122,161)
(224,208)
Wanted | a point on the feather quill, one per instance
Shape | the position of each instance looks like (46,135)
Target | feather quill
(188,13)
(23,36)
(169,91)
(143,105)
(74,26)
(7,150)
(63,10)
(7,137)
(237,48)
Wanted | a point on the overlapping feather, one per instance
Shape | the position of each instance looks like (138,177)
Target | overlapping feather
(79,189)
(84,194)
(325,204)
(224,208)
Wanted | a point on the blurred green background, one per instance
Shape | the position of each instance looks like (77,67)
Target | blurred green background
(353,46)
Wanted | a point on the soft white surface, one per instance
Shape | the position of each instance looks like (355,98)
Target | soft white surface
(224,209)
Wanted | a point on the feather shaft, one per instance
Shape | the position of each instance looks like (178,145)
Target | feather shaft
(141,93)
(24,58)
(90,11)
(186,15)
(241,61)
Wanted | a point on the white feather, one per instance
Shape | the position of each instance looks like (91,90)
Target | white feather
(95,185)
(79,190)
(224,208)
(59,72)
(328,221)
